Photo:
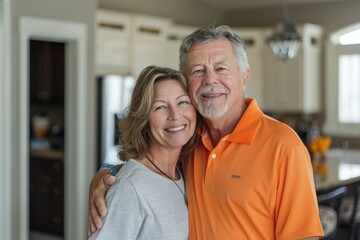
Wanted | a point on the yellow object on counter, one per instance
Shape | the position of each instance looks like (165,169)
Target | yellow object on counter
(320,144)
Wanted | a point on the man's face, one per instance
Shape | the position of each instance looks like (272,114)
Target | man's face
(216,85)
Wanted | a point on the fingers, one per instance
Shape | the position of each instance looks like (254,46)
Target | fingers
(97,207)
(100,212)
(91,226)
(108,181)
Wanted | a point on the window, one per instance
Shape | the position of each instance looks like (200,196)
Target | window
(342,79)
(349,88)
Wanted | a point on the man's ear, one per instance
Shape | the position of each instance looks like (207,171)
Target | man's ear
(245,78)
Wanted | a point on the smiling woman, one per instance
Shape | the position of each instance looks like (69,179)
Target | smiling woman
(157,131)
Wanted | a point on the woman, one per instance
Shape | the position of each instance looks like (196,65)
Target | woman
(159,129)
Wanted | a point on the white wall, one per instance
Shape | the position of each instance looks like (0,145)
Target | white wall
(14,222)
(5,122)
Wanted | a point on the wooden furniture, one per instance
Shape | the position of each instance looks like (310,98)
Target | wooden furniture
(349,218)
(47,64)
(47,192)
(329,209)
(47,95)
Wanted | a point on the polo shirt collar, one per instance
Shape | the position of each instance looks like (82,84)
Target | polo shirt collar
(248,125)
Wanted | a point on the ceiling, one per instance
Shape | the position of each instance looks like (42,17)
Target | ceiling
(242,4)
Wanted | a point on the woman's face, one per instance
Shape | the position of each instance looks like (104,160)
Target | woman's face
(172,116)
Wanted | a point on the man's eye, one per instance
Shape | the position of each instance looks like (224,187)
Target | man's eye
(198,71)
(221,68)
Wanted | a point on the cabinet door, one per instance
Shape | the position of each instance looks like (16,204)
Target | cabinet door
(282,84)
(254,41)
(176,34)
(47,71)
(148,42)
(47,195)
(294,86)
(112,42)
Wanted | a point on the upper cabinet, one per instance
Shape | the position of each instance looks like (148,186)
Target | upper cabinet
(112,43)
(294,86)
(47,69)
(148,39)
(255,46)
(175,35)
(127,43)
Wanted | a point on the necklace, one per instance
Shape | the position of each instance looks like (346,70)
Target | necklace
(182,193)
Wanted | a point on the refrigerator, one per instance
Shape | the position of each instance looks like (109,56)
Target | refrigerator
(114,97)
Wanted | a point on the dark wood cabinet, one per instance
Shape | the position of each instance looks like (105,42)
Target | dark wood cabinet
(47,68)
(47,195)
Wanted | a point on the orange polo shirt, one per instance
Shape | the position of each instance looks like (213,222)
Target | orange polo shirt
(257,183)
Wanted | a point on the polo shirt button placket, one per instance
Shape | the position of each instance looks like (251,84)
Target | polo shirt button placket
(213,156)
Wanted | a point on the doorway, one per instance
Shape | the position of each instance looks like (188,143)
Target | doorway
(46,152)
(75,166)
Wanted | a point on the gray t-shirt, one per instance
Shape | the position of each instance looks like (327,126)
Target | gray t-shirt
(144,205)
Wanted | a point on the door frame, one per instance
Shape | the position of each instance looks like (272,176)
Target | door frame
(74,34)
(5,120)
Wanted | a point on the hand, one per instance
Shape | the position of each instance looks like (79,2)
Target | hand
(97,208)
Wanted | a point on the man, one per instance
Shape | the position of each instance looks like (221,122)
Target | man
(250,176)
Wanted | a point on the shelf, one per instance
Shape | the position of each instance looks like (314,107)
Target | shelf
(48,154)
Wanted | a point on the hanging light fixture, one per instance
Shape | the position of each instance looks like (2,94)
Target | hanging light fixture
(285,41)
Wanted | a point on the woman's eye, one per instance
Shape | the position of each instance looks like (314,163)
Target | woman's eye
(183,102)
(160,107)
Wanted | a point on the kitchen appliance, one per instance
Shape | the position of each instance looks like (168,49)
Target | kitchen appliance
(114,97)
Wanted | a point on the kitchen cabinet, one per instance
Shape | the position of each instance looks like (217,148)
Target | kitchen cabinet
(255,46)
(112,42)
(175,35)
(127,43)
(148,39)
(294,86)
(47,192)
(47,67)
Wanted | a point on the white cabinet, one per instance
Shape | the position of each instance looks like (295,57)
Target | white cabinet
(127,43)
(112,43)
(175,35)
(254,41)
(148,39)
(294,86)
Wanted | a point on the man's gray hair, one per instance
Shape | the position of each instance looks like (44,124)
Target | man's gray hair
(211,33)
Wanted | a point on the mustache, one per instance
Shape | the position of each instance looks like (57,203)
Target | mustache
(209,90)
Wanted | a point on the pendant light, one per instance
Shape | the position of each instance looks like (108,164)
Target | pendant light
(285,41)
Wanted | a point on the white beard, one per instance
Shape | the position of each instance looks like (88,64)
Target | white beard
(212,109)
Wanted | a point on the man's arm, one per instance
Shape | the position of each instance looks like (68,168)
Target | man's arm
(97,189)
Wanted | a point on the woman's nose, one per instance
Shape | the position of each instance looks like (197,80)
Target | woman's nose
(174,113)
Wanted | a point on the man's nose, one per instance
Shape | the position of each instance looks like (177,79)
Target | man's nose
(209,77)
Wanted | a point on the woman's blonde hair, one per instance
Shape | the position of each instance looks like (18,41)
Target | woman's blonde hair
(134,128)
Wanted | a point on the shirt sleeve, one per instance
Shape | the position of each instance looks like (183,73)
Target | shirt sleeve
(297,213)
(124,217)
